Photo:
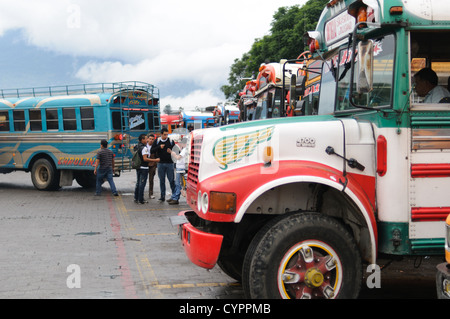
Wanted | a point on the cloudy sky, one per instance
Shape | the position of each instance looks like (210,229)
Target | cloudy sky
(185,48)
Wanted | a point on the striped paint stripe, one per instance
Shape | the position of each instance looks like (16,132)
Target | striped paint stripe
(429,213)
(430,170)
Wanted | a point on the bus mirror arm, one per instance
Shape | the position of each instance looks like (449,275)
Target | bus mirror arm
(353,163)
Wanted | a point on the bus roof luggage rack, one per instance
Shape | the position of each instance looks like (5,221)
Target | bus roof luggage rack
(92,88)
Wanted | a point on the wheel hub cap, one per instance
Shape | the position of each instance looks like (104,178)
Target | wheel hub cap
(313,278)
(310,270)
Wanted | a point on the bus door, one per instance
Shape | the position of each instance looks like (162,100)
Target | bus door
(129,118)
(122,118)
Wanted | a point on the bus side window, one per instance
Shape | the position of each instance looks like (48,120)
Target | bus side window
(4,121)
(35,120)
(19,120)
(116,120)
(87,118)
(51,119)
(69,119)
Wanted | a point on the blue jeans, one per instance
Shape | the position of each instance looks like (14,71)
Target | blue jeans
(166,169)
(108,174)
(141,181)
(177,193)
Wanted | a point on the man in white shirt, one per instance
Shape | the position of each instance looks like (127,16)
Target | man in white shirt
(180,170)
(427,86)
(142,172)
(162,148)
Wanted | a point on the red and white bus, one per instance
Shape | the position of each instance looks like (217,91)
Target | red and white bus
(293,207)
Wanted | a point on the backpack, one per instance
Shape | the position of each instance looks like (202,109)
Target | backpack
(136,160)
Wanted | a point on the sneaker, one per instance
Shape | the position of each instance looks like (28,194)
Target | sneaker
(143,202)
(161,199)
(173,202)
(152,197)
(115,194)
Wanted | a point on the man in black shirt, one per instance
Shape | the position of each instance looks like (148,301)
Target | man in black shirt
(105,160)
(162,148)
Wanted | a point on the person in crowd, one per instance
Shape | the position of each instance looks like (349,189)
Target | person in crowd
(104,166)
(426,83)
(152,166)
(162,148)
(180,169)
(142,172)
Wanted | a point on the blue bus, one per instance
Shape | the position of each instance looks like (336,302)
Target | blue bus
(55,132)
(198,120)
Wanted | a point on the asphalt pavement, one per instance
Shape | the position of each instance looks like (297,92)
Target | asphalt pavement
(72,244)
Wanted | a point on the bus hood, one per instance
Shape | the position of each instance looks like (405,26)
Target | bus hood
(269,143)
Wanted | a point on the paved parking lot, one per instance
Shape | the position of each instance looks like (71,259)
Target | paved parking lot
(109,246)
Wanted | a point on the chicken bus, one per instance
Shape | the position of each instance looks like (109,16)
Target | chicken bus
(55,132)
(296,207)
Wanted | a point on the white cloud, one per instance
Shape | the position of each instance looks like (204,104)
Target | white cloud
(206,67)
(200,98)
(145,40)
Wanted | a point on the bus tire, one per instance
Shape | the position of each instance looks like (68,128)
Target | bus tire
(44,175)
(86,179)
(231,266)
(302,255)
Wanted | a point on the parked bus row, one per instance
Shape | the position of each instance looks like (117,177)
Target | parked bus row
(211,116)
(282,89)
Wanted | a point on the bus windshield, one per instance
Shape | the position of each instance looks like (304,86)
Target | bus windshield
(268,104)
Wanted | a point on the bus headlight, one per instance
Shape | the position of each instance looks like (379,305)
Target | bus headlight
(204,202)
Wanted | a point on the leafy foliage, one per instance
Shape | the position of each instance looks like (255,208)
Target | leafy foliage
(285,41)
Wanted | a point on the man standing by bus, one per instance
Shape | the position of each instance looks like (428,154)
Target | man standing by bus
(142,172)
(104,168)
(162,148)
(152,166)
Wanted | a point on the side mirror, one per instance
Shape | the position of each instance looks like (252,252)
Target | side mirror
(301,82)
(297,86)
(298,110)
(364,82)
(292,88)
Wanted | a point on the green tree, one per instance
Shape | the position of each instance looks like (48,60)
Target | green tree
(285,41)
